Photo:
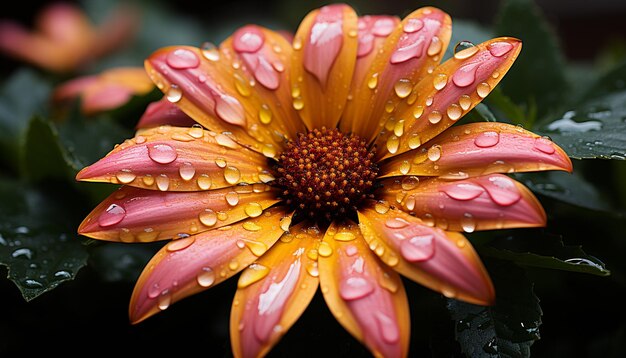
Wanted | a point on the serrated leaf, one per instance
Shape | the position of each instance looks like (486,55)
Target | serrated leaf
(507,329)
(569,188)
(595,129)
(537,78)
(43,154)
(546,251)
(22,96)
(38,243)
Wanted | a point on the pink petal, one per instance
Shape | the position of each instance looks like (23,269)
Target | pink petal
(163,112)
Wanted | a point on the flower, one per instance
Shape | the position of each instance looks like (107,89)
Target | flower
(107,90)
(64,39)
(334,162)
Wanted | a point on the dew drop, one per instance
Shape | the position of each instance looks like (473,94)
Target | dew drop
(164,300)
(112,215)
(324,249)
(312,269)
(162,153)
(265,114)
(298,103)
(233,265)
(483,89)
(253,209)
(398,128)
(180,244)
(393,143)
(373,81)
(252,274)
(125,176)
(241,85)
(206,277)
(487,139)
(182,59)
(387,328)
(435,46)
(232,175)
(434,153)
(162,182)
(204,182)
(454,112)
(186,171)
(344,236)
(381,207)
(418,248)
(434,117)
(544,145)
(468,223)
(396,223)
(410,182)
(232,198)
(405,166)
(410,202)
(440,81)
(174,94)
(463,191)
(269,151)
(499,49)
(403,88)
(208,217)
(353,288)
(465,75)
(429,101)
(413,25)
(297,43)
(257,248)
(464,50)
(465,102)
(414,141)
(24,253)
(196,131)
(210,51)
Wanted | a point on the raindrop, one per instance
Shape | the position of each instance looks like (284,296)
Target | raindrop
(434,117)
(417,111)
(499,49)
(468,223)
(544,145)
(174,94)
(381,207)
(392,144)
(353,288)
(23,252)
(413,25)
(434,153)
(298,104)
(208,217)
(210,51)
(414,141)
(196,131)
(454,112)
(182,59)
(204,182)
(464,49)
(252,274)
(324,249)
(487,139)
(112,215)
(125,176)
(387,328)
(465,75)
(232,175)
(180,244)
(186,171)
(257,248)
(418,248)
(206,277)
(410,182)
(463,191)
(403,88)
(435,46)
(405,166)
(162,153)
(265,114)
(285,223)
(163,182)
(373,81)
(232,198)
(344,236)
(62,275)
(251,226)
(396,223)
(440,81)
(483,89)
(465,102)
(253,209)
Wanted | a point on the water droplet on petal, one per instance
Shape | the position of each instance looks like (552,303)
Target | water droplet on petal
(164,300)
(353,288)
(434,153)
(253,209)
(468,223)
(464,50)
(324,249)
(410,182)
(418,248)
(180,244)
(232,198)
(373,81)
(210,51)
(435,46)
(125,176)
(381,207)
(182,59)
(257,248)
(413,25)
(252,274)
(396,223)
(417,111)
(162,153)
(186,171)
(403,88)
(414,141)
(487,139)
(196,131)
(483,89)
(174,94)
(392,144)
(265,114)
(206,277)
(465,102)
(544,145)
(387,327)
(454,112)
(344,236)
(499,49)
(204,182)
(163,182)
(208,217)
(463,191)
(434,117)
(112,215)
(465,75)
(232,175)
(440,81)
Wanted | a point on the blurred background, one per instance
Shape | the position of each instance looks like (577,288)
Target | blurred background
(583,315)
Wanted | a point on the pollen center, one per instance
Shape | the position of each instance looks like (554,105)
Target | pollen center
(326,173)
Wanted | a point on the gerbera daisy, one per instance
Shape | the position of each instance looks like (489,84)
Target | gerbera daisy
(333,161)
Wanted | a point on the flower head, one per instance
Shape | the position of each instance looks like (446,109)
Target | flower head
(64,38)
(333,161)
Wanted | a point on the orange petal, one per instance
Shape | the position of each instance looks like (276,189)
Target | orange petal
(179,159)
(138,215)
(443,97)
(274,291)
(413,49)
(325,51)
(442,261)
(364,295)
(190,265)
(487,202)
(477,149)
(264,58)
(210,86)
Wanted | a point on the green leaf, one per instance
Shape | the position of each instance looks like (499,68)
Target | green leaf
(595,129)
(611,82)
(480,113)
(535,248)
(507,111)
(507,329)
(38,243)
(569,188)
(22,96)
(538,77)
(44,155)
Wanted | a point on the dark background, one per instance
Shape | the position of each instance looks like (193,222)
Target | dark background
(89,315)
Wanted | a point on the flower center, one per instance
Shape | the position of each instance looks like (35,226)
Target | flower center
(324,173)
